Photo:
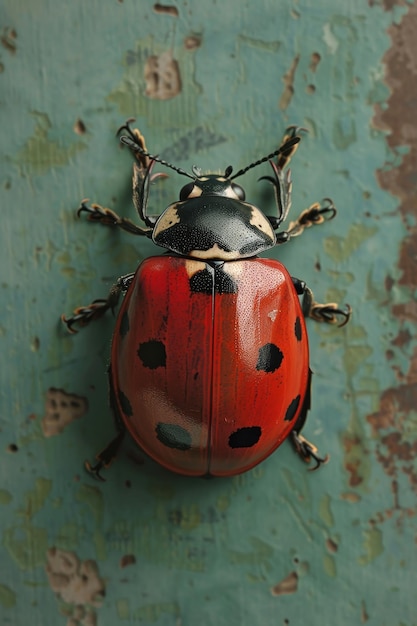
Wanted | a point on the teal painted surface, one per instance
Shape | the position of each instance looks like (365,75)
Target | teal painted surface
(204,552)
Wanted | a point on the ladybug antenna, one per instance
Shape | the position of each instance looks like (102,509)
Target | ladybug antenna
(134,147)
(282,150)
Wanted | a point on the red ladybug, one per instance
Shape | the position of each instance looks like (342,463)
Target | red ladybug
(209,366)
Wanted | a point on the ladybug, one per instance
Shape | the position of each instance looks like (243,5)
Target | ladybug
(209,369)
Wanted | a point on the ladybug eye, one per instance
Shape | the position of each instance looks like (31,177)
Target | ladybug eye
(239,191)
(186,191)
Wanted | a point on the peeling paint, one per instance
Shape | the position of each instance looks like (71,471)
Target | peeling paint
(165,9)
(8,39)
(162,76)
(127,559)
(364,613)
(331,545)
(191,42)
(79,127)
(330,39)
(315,59)
(61,408)
(286,586)
(77,583)
(394,421)
(288,80)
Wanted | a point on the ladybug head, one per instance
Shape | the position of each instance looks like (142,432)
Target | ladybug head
(212,185)
(213,221)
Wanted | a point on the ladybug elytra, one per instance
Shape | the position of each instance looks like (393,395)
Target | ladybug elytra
(209,369)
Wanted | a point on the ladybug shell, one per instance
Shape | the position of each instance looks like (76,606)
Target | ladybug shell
(209,367)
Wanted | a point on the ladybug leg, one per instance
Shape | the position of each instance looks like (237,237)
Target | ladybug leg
(107,456)
(137,137)
(98,214)
(304,448)
(307,451)
(83,315)
(141,181)
(329,313)
(281,180)
(285,157)
(142,169)
(316,214)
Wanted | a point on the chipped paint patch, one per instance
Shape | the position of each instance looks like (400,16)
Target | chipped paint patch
(329,39)
(126,560)
(76,583)
(8,39)
(166,9)
(61,408)
(288,80)
(288,585)
(130,94)
(162,76)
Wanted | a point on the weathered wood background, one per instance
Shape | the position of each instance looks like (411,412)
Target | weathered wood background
(210,83)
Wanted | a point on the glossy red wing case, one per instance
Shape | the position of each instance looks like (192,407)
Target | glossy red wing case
(209,367)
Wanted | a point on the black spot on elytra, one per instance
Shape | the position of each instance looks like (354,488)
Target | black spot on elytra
(298,329)
(269,358)
(207,281)
(245,437)
(292,409)
(125,404)
(201,282)
(152,354)
(124,325)
(173,436)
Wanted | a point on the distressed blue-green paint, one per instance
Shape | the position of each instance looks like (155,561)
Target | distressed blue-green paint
(206,552)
